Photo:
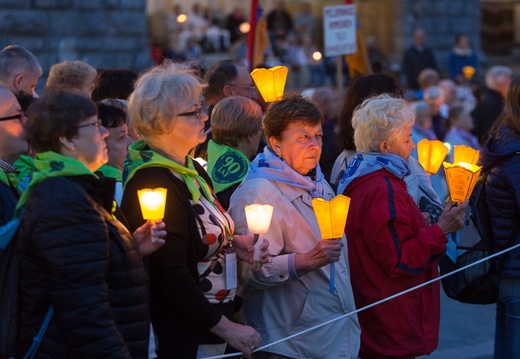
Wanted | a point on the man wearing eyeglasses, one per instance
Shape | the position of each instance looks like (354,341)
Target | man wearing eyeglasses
(225,79)
(12,146)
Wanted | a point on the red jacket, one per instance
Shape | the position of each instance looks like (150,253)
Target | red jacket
(391,249)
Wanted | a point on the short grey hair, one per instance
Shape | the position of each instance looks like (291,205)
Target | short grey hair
(380,118)
(433,93)
(16,60)
(159,95)
(422,112)
(495,74)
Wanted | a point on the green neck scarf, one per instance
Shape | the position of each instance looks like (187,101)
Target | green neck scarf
(226,166)
(3,178)
(25,169)
(141,156)
(111,172)
(51,164)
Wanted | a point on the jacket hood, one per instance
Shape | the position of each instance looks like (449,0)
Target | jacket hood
(501,144)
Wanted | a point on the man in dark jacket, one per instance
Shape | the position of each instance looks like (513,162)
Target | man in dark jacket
(417,58)
(12,146)
(491,104)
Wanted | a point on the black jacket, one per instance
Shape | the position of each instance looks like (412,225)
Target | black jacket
(486,113)
(8,199)
(502,158)
(414,61)
(75,256)
(181,314)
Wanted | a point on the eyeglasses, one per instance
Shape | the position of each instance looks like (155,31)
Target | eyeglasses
(98,124)
(197,113)
(13,117)
(250,89)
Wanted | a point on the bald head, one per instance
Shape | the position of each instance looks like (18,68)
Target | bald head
(19,69)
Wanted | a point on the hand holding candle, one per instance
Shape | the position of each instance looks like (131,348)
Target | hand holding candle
(153,203)
(332,217)
(258,218)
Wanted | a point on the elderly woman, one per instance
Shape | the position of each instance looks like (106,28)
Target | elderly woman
(76,75)
(75,256)
(290,293)
(390,245)
(236,125)
(192,282)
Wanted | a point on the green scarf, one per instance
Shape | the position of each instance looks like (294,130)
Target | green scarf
(51,164)
(141,156)
(3,178)
(25,168)
(111,172)
(226,166)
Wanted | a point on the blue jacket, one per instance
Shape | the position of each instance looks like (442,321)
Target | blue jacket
(503,196)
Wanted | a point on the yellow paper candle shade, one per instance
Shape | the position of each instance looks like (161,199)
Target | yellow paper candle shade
(258,217)
(431,154)
(270,82)
(461,178)
(152,202)
(468,72)
(463,153)
(331,215)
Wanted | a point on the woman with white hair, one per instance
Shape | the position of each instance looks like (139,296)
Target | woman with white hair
(391,248)
(192,298)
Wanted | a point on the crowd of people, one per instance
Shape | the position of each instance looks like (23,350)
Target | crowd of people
(185,285)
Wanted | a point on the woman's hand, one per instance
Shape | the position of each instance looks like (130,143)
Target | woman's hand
(452,217)
(325,252)
(242,337)
(245,247)
(149,236)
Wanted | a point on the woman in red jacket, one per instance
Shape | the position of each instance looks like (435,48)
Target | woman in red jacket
(390,245)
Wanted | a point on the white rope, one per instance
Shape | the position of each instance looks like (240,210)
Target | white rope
(373,304)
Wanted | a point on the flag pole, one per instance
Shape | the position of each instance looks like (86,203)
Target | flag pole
(251,34)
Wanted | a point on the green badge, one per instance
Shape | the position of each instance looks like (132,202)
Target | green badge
(229,168)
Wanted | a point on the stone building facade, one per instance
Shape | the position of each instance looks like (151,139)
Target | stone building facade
(103,33)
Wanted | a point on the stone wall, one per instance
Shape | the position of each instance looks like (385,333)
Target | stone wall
(103,33)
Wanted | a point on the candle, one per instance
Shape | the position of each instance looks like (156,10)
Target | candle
(258,217)
(152,202)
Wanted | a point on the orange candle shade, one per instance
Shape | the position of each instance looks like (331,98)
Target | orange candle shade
(461,178)
(463,153)
(331,215)
(431,154)
(270,82)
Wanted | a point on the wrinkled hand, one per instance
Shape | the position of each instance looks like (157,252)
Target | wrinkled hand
(325,252)
(245,247)
(242,337)
(149,236)
(452,218)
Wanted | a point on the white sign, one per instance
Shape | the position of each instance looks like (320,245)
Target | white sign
(339,29)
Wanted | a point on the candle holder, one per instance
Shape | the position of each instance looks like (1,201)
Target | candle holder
(258,217)
(461,178)
(463,153)
(152,203)
(431,154)
(332,217)
(270,82)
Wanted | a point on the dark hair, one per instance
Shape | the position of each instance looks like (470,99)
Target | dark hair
(292,108)
(510,117)
(359,89)
(56,114)
(111,116)
(218,76)
(114,83)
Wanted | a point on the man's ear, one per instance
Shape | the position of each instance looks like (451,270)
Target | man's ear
(18,82)
(227,91)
